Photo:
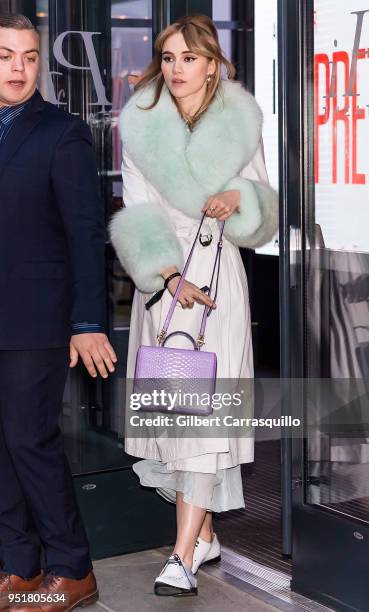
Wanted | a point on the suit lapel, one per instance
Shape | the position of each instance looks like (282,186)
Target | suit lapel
(22,128)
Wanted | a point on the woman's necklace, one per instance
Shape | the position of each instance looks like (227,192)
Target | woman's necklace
(187,124)
(204,238)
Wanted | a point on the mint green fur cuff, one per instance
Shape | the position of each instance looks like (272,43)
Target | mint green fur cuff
(146,244)
(257,221)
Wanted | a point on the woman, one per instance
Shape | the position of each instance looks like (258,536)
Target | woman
(192,144)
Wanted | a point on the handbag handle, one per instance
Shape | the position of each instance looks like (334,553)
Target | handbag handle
(180,333)
(207,309)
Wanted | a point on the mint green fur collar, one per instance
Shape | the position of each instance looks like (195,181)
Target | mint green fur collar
(186,168)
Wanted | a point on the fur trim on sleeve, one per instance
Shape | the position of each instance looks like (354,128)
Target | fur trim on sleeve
(257,221)
(145,243)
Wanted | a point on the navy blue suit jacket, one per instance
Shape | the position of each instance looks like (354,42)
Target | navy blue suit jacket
(52,232)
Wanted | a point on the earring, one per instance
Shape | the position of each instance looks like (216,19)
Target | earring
(209,78)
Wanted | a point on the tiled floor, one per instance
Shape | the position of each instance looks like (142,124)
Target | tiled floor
(126,585)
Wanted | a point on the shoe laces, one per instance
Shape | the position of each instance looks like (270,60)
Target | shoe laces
(175,559)
(172,560)
(51,581)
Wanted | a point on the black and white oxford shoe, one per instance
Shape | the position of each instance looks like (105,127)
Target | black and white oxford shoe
(205,552)
(175,579)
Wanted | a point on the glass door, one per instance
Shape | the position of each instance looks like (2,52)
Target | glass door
(326,294)
(88,50)
(337,269)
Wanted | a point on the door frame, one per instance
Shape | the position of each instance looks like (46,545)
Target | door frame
(329,563)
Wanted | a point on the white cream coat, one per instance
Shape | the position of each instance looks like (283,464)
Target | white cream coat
(167,176)
(228,328)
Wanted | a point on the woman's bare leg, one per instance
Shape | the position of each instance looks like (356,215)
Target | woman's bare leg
(207,531)
(190,520)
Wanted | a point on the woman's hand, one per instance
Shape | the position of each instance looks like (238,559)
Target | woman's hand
(189,293)
(222,205)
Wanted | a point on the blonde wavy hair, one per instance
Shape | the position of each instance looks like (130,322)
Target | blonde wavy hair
(201,37)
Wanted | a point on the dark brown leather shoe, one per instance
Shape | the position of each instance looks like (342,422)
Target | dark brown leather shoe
(11,582)
(77,593)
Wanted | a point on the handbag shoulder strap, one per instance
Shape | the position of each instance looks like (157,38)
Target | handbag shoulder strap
(207,309)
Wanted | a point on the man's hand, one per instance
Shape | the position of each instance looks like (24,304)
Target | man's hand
(95,351)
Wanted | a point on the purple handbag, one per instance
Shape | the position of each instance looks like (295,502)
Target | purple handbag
(174,372)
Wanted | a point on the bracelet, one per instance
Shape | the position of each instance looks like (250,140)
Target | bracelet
(159,294)
(167,280)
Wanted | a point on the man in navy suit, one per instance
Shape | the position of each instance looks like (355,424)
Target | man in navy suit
(52,310)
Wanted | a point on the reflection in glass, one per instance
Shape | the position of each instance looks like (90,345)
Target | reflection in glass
(266,93)
(43,29)
(131,9)
(337,279)
(131,53)
(225,40)
(92,409)
(222,10)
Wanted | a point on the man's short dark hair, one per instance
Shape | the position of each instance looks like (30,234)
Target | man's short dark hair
(16,21)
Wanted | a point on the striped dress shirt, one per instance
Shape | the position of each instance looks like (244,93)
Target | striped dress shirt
(8,116)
